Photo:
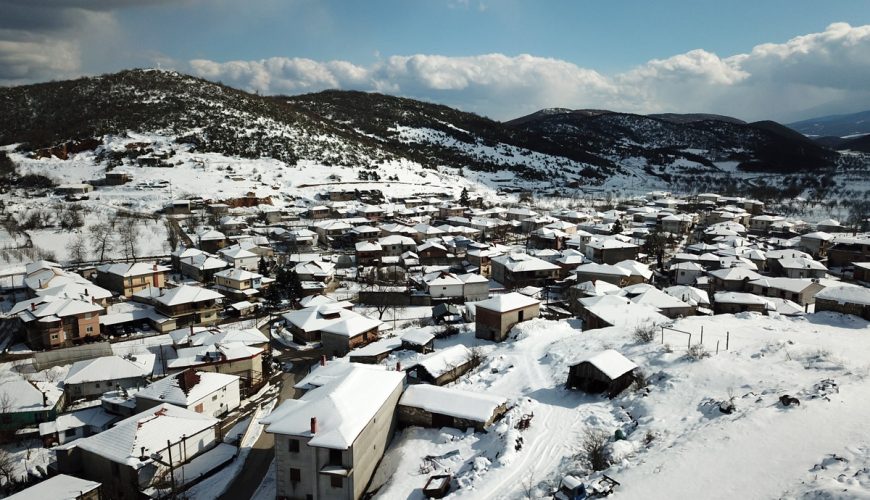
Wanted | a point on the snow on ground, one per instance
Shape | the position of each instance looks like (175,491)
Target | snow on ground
(676,434)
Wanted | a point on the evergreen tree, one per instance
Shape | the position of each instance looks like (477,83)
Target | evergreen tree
(617,227)
(463,197)
(262,266)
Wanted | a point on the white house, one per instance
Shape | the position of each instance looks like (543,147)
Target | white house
(93,377)
(209,393)
(329,441)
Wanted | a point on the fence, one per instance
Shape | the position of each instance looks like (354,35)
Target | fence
(69,355)
(698,337)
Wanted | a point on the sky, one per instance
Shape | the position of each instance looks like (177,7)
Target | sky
(760,59)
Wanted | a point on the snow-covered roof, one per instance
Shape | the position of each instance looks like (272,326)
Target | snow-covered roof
(235,274)
(689,294)
(604,269)
(131,270)
(418,337)
(739,298)
(151,429)
(173,389)
(59,487)
(635,268)
(795,285)
(611,363)
(110,368)
(619,311)
(735,274)
(93,417)
(343,407)
(520,263)
(25,396)
(441,362)
(846,295)
(326,317)
(453,402)
(802,263)
(507,302)
(186,294)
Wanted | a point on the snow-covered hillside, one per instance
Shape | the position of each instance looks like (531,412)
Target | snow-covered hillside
(679,444)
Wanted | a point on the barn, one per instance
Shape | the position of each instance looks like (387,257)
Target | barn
(608,371)
(433,406)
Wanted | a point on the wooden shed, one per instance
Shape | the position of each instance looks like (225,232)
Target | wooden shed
(608,371)
(442,367)
(432,406)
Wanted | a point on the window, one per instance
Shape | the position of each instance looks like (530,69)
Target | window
(214,398)
(295,475)
(70,433)
(335,457)
(336,482)
(293,446)
(520,315)
(89,329)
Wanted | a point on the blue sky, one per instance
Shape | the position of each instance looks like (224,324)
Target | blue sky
(498,58)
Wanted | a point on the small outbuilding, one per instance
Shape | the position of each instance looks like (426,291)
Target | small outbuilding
(495,317)
(608,371)
(433,406)
(442,367)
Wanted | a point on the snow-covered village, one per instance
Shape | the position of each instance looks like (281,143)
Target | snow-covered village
(302,279)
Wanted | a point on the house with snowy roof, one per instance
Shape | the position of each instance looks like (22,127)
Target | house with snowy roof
(494,318)
(189,305)
(610,250)
(126,279)
(426,405)
(442,367)
(201,266)
(234,358)
(138,451)
(239,257)
(345,329)
(27,404)
(608,371)
(209,393)
(74,425)
(516,270)
(239,283)
(737,302)
(595,272)
(52,321)
(610,310)
(92,377)
(802,268)
(844,251)
(329,441)
(846,299)
(800,291)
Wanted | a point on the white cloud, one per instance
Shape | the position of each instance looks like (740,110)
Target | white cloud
(809,71)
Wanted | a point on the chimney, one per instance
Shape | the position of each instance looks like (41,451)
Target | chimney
(86,292)
(323,360)
(191,329)
(398,366)
(33,306)
(44,399)
(142,456)
(313,425)
(154,267)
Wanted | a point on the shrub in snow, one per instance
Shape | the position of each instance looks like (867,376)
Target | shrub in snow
(644,333)
(697,352)
(594,449)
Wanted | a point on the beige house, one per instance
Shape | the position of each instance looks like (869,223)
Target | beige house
(495,317)
(329,442)
(127,279)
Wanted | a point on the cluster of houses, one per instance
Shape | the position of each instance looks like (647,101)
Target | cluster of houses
(644,262)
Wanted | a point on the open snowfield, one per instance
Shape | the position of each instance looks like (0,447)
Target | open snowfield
(679,444)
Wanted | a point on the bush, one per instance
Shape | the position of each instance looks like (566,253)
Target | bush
(594,448)
(645,333)
(697,352)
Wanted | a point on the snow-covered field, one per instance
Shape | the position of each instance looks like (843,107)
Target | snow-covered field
(679,444)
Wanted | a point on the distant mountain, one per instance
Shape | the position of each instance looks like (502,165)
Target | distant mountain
(835,125)
(695,117)
(551,149)
(700,139)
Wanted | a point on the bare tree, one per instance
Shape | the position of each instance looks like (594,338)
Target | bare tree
(128,238)
(528,483)
(8,465)
(172,235)
(102,240)
(78,249)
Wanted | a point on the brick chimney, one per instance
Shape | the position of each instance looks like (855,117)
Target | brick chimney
(313,425)
(398,366)
(187,380)
(33,306)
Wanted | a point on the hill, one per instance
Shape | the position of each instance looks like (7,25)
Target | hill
(835,125)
